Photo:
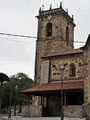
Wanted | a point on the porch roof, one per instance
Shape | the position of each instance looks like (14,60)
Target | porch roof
(53,87)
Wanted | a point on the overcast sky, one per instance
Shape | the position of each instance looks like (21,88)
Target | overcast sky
(18,17)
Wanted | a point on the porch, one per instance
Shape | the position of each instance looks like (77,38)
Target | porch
(49,99)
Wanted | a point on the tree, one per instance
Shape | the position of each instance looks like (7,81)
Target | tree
(23,82)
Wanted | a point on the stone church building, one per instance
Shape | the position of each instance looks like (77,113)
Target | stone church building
(55,48)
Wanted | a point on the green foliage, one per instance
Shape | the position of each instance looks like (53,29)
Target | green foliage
(23,82)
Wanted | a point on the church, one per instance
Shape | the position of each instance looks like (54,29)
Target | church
(58,89)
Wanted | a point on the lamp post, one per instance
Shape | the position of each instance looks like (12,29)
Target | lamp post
(61,71)
(1,83)
(16,87)
(9,109)
(0,98)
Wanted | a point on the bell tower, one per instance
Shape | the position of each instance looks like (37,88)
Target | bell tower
(55,34)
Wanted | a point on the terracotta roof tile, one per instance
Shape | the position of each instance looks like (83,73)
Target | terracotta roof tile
(55,87)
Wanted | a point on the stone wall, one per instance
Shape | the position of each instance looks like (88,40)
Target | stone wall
(86,66)
(73,111)
(77,60)
(59,24)
(32,111)
(87,81)
(88,70)
(47,47)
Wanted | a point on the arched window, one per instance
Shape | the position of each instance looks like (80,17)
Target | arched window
(72,70)
(49,29)
(67,33)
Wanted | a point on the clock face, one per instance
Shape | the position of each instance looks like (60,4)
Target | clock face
(49,17)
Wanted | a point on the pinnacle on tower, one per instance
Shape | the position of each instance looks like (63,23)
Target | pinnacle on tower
(67,11)
(72,18)
(40,9)
(60,4)
(50,6)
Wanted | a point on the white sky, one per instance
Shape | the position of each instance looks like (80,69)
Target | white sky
(18,17)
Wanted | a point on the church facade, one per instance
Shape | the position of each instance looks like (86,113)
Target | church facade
(54,49)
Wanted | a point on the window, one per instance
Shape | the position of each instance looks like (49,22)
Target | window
(72,70)
(67,33)
(49,29)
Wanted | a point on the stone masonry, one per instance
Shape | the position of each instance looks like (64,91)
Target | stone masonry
(55,43)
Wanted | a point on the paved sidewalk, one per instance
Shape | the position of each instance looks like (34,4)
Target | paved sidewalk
(17,117)
(39,118)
